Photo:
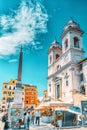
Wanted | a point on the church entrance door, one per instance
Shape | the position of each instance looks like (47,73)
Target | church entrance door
(58,91)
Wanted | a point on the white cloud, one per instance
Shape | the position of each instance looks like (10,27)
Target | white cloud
(22,27)
(12,60)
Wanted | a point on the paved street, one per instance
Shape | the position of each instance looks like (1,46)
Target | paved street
(47,128)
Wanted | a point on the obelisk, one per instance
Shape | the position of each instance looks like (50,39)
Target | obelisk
(20,66)
(18,91)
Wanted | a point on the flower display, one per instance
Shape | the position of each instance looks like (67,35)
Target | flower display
(47,112)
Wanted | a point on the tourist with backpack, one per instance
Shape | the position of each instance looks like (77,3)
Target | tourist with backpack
(27,120)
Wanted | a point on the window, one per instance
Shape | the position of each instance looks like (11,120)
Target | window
(58,67)
(50,59)
(57,56)
(13,82)
(26,101)
(66,44)
(58,91)
(4,92)
(3,98)
(5,86)
(66,79)
(76,42)
(49,87)
(66,82)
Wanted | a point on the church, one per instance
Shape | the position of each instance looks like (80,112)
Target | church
(67,67)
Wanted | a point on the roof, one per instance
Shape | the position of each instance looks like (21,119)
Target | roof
(73,26)
(55,44)
(28,85)
(84,60)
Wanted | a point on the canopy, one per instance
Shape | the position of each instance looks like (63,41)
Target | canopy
(75,109)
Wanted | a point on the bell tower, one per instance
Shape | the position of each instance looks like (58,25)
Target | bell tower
(72,40)
(54,53)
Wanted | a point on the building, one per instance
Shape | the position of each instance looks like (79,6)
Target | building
(30,96)
(29,93)
(67,68)
(17,92)
(8,90)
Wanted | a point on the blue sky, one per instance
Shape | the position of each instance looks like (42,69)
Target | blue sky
(34,24)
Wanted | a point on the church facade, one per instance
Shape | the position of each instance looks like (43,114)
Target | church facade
(67,67)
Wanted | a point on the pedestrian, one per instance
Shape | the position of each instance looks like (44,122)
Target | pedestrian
(56,120)
(37,116)
(27,120)
(4,120)
(32,117)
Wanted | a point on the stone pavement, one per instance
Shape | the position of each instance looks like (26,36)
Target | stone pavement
(52,128)
(45,126)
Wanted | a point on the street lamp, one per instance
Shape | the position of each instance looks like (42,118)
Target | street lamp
(9,112)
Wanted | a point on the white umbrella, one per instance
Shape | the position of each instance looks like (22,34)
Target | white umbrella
(74,112)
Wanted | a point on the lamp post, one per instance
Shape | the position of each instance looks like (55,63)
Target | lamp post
(9,112)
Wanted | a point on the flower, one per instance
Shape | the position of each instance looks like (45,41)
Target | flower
(48,112)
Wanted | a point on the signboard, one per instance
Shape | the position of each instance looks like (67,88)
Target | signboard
(84,112)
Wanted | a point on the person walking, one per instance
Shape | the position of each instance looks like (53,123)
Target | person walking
(27,120)
(32,118)
(37,116)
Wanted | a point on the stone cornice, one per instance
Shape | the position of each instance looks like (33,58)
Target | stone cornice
(71,29)
(74,49)
(61,69)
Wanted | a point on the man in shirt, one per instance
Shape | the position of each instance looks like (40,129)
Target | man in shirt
(37,115)
(27,120)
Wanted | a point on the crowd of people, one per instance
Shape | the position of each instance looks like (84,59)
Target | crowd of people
(31,117)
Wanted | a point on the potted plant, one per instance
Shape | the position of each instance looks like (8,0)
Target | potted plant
(47,116)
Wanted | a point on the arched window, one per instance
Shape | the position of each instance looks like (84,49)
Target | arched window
(66,43)
(66,82)
(49,87)
(57,56)
(76,42)
(50,59)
